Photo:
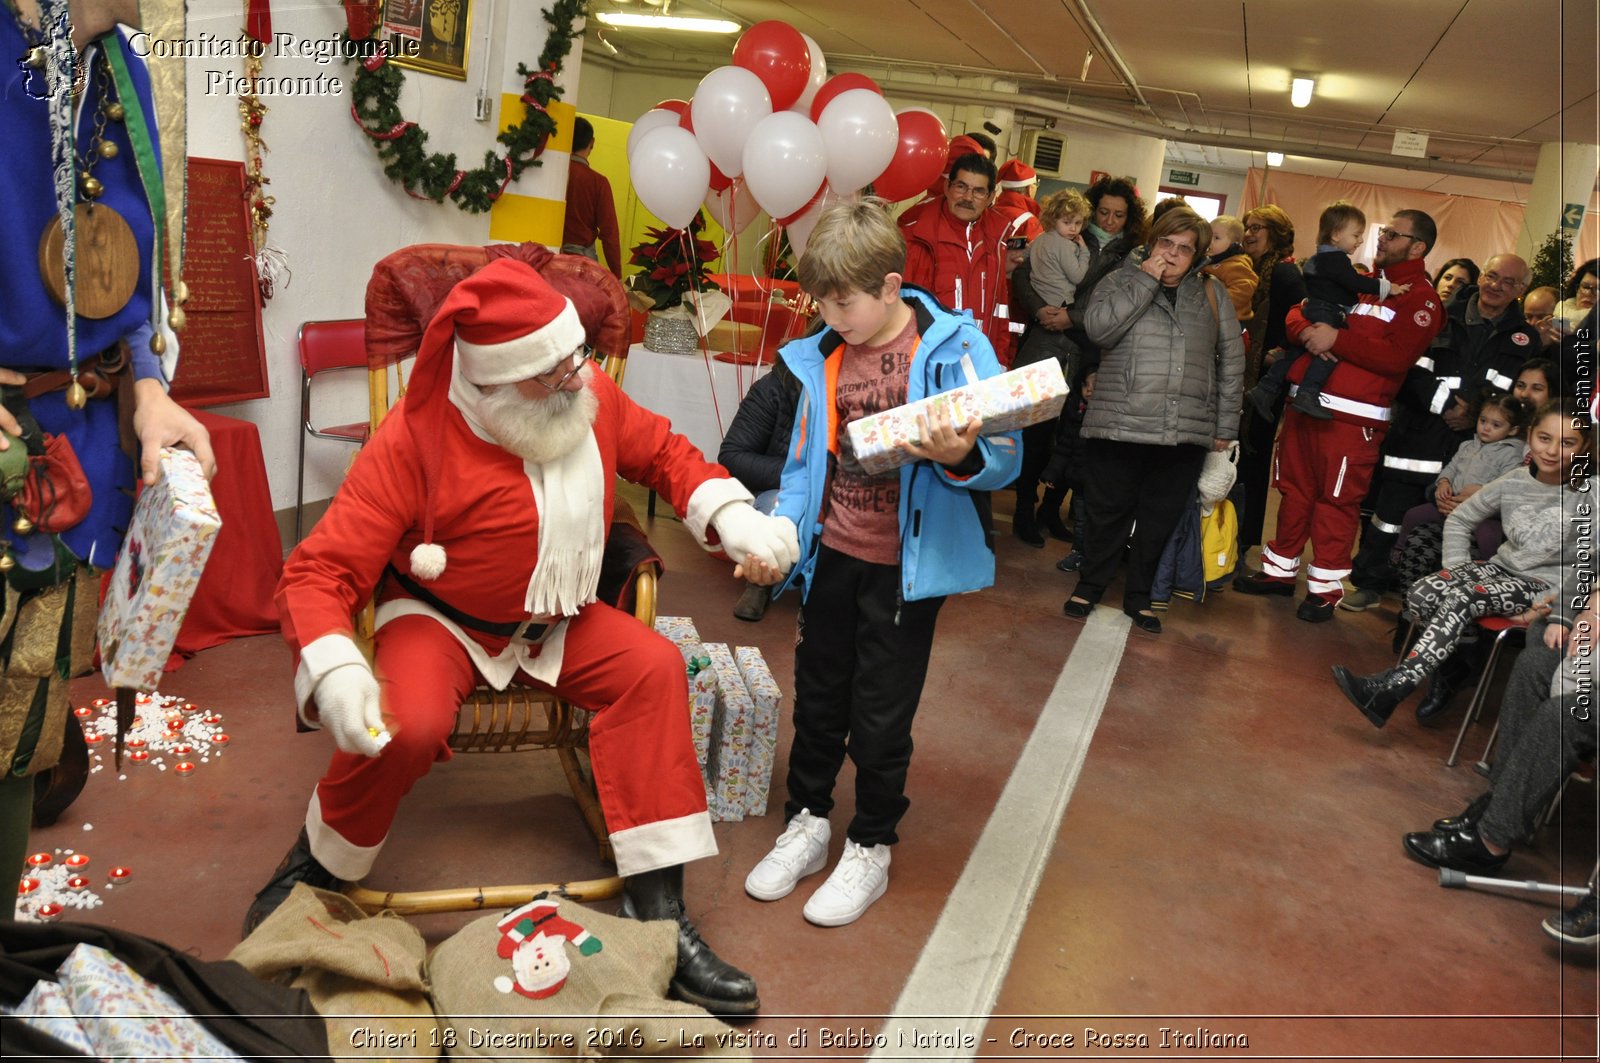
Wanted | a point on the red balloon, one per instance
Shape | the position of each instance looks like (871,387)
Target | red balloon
(837,84)
(776,53)
(719,180)
(684,120)
(675,106)
(918,158)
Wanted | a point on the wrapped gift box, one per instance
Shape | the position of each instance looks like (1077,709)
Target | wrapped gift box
(730,740)
(1009,401)
(47,1009)
(702,683)
(126,1017)
(765,697)
(174,526)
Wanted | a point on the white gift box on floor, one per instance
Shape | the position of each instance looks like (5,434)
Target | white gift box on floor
(174,526)
(1009,401)
(730,740)
(765,698)
(47,1009)
(702,683)
(126,1017)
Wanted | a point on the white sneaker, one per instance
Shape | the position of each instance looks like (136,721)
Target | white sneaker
(802,850)
(860,879)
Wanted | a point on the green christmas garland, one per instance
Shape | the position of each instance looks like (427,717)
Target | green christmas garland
(402,145)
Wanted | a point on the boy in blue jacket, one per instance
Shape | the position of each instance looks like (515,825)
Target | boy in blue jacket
(878,553)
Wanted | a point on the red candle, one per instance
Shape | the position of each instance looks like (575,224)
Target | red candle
(138,756)
(41,860)
(119,873)
(77,860)
(77,882)
(220,739)
(27,886)
(183,767)
(47,912)
(83,712)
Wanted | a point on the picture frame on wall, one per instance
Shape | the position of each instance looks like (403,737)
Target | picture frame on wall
(428,35)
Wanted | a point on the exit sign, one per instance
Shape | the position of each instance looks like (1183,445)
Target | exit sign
(1183,177)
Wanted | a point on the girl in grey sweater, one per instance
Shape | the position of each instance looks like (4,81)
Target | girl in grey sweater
(1547,510)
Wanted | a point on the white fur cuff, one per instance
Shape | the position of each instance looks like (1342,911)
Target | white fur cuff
(706,500)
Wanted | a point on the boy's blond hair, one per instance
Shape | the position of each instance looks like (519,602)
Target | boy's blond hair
(854,248)
(1229,226)
(1067,203)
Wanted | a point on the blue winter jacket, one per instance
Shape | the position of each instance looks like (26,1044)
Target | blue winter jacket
(944,547)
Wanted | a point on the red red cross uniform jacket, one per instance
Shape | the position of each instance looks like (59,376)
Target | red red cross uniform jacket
(485,518)
(963,265)
(1324,468)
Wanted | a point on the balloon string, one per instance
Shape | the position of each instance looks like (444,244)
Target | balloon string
(690,251)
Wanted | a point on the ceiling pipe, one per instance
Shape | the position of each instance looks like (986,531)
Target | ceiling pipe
(1052,108)
(1103,42)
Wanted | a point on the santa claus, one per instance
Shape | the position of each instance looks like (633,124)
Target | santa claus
(476,518)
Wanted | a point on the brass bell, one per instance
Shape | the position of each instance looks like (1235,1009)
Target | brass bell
(177,318)
(22,525)
(107,148)
(114,111)
(158,343)
(7,562)
(92,186)
(37,57)
(182,293)
(77,397)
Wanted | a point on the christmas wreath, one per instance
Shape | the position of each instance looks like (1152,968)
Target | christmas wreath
(402,145)
(673,261)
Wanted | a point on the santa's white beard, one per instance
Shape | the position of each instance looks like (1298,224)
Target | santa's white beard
(539,430)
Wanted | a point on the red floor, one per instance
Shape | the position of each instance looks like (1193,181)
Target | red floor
(1230,859)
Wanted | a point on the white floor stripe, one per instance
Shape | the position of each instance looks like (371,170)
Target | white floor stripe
(953,988)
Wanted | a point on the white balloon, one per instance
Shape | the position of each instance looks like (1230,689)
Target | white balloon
(733,208)
(860,133)
(727,105)
(651,119)
(801,228)
(784,162)
(819,74)
(670,174)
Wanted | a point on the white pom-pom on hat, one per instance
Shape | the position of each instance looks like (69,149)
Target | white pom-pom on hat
(427,561)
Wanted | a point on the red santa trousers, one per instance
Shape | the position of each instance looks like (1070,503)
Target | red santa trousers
(650,786)
(1323,470)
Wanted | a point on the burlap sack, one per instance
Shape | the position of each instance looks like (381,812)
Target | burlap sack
(612,1005)
(364,974)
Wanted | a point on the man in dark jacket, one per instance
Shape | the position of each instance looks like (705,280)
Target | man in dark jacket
(754,449)
(1483,343)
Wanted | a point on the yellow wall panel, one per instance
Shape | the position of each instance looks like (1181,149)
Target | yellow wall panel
(518,219)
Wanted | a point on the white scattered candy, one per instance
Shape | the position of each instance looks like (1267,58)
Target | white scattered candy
(88,826)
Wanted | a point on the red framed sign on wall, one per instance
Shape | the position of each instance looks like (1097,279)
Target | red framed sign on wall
(222,357)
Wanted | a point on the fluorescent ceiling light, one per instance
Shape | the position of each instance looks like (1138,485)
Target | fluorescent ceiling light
(629,20)
(1274,158)
(1300,91)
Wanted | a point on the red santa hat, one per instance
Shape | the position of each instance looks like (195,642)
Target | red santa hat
(1017,174)
(504,323)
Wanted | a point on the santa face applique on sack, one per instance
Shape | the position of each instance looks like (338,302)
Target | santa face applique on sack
(534,938)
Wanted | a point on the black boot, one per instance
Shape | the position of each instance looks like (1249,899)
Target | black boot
(297,866)
(1467,817)
(1050,514)
(1023,524)
(1375,695)
(701,978)
(1450,678)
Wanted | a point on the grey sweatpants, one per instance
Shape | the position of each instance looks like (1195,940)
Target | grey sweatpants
(1542,739)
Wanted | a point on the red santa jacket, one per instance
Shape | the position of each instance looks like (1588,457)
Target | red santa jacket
(484,517)
(962,265)
(1381,342)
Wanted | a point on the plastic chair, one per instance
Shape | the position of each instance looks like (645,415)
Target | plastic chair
(326,347)
(405,291)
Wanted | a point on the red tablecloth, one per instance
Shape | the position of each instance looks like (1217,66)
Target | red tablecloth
(234,598)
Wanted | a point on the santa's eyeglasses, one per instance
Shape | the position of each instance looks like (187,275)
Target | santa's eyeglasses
(584,355)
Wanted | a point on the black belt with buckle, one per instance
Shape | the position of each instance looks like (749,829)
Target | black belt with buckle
(505,628)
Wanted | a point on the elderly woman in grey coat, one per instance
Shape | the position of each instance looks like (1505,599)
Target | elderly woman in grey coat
(1169,390)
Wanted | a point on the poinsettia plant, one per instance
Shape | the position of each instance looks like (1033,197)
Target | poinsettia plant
(672,262)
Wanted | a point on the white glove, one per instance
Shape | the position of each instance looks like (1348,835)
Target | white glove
(347,701)
(745,531)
